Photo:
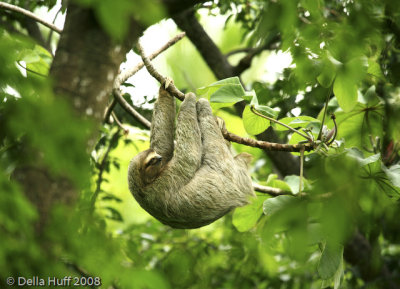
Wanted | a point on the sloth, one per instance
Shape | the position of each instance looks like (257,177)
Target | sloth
(194,180)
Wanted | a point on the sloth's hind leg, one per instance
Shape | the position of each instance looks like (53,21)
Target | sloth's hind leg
(188,147)
(214,146)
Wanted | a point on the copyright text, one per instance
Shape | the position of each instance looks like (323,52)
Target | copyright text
(67,281)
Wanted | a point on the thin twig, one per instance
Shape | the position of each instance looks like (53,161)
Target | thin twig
(123,76)
(161,79)
(30,15)
(301,170)
(130,109)
(245,62)
(253,109)
(268,146)
(127,73)
(227,135)
(325,110)
(30,70)
(333,117)
(270,190)
(51,31)
(119,123)
(109,110)
(102,166)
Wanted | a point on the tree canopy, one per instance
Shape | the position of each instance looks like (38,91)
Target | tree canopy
(324,132)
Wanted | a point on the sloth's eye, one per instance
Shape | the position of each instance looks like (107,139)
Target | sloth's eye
(154,161)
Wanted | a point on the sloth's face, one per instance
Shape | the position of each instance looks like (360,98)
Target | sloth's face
(151,165)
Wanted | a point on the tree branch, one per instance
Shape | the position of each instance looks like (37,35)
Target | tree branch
(126,131)
(125,105)
(176,6)
(239,50)
(245,62)
(109,110)
(270,190)
(211,54)
(267,146)
(125,75)
(161,79)
(173,90)
(29,14)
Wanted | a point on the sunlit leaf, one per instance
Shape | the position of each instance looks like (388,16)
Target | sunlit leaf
(254,124)
(356,126)
(294,181)
(346,92)
(273,181)
(245,218)
(208,90)
(393,174)
(274,205)
(330,261)
(223,93)
(228,94)
(375,69)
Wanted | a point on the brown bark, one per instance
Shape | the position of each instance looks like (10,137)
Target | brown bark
(87,61)
(211,54)
(85,65)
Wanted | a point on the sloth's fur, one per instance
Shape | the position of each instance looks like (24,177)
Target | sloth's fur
(195,181)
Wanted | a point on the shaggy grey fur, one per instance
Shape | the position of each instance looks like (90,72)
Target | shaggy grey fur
(197,180)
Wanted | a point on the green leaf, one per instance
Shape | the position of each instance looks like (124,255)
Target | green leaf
(315,231)
(346,92)
(154,11)
(326,78)
(37,59)
(371,97)
(393,174)
(208,90)
(267,111)
(328,73)
(298,122)
(330,261)
(273,181)
(116,25)
(375,69)
(293,182)
(273,205)
(113,214)
(356,126)
(359,156)
(254,124)
(223,93)
(228,94)
(287,214)
(245,218)
(295,138)
(29,56)
(249,95)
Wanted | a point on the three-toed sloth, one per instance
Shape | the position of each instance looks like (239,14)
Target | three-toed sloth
(194,181)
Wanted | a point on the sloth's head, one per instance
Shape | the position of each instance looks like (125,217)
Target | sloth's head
(146,167)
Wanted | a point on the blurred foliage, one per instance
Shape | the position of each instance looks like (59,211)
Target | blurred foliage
(115,16)
(347,51)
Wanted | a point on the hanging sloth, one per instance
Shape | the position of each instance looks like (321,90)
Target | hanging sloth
(195,181)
